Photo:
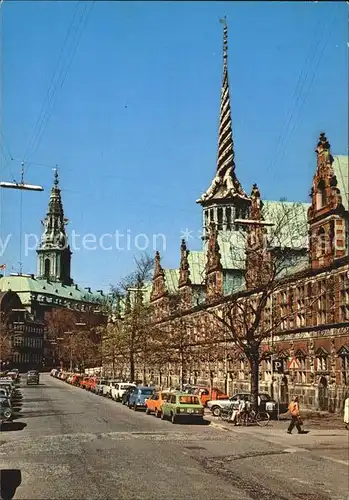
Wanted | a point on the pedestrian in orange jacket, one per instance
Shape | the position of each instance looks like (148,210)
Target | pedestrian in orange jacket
(293,408)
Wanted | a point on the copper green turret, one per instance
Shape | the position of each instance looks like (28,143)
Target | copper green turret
(54,255)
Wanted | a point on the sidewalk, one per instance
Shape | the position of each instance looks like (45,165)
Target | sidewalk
(322,439)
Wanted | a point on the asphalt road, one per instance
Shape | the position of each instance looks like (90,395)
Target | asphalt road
(70,444)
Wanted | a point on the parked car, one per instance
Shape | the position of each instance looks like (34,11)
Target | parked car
(118,390)
(33,377)
(126,396)
(154,404)
(138,397)
(108,387)
(180,406)
(14,374)
(99,386)
(265,403)
(5,410)
(10,387)
(206,394)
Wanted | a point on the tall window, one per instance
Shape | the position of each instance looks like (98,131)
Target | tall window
(228,217)
(301,376)
(47,267)
(343,354)
(344,297)
(321,199)
(321,244)
(321,360)
(220,218)
(300,306)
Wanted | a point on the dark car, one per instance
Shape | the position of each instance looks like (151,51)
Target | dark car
(5,410)
(125,398)
(33,377)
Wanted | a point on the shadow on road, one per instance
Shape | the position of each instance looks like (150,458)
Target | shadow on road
(10,479)
(12,426)
(44,413)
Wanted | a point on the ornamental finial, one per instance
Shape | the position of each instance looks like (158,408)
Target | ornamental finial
(225,41)
(55,177)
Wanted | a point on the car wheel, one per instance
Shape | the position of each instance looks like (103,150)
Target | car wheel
(173,418)
(158,413)
(7,414)
(162,415)
(147,411)
(216,411)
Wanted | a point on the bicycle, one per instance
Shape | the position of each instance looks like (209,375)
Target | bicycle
(260,418)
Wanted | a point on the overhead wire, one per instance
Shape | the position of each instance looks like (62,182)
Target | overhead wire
(47,97)
(297,120)
(58,82)
(297,92)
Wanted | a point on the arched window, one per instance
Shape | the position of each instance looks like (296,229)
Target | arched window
(47,268)
(321,200)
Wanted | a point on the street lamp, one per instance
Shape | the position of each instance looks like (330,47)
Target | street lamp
(21,185)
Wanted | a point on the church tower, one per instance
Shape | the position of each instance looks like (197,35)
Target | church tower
(54,255)
(225,201)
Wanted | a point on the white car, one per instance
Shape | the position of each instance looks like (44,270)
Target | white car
(118,390)
(265,403)
(108,387)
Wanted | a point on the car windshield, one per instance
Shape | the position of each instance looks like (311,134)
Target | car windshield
(265,397)
(189,400)
(147,392)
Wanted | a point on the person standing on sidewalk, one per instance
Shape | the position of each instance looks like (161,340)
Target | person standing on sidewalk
(293,408)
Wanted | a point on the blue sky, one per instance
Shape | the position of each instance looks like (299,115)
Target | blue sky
(133,125)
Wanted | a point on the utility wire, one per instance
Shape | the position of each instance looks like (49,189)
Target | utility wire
(51,85)
(59,81)
(306,95)
(297,93)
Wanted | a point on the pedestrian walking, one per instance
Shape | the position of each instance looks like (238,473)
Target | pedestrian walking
(235,412)
(296,421)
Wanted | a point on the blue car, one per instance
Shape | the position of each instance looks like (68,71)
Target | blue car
(139,396)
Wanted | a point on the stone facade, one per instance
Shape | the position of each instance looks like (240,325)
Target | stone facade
(308,307)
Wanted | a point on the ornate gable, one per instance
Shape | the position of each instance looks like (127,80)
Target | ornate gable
(184,268)
(343,351)
(321,352)
(159,282)
(300,353)
(327,216)
(257,253)
(214,270)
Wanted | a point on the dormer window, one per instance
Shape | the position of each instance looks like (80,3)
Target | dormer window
(321,200)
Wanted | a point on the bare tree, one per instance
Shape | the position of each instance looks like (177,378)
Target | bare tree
(127,335)
(5,336)
(74,335)
(271,253)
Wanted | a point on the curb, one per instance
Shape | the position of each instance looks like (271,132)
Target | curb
(219,426)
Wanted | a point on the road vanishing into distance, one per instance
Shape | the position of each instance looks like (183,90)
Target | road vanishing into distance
(67,443)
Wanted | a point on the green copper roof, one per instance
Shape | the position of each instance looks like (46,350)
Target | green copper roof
(27,286)
(171,278)
(197,260)
(290,228)
(341,171)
